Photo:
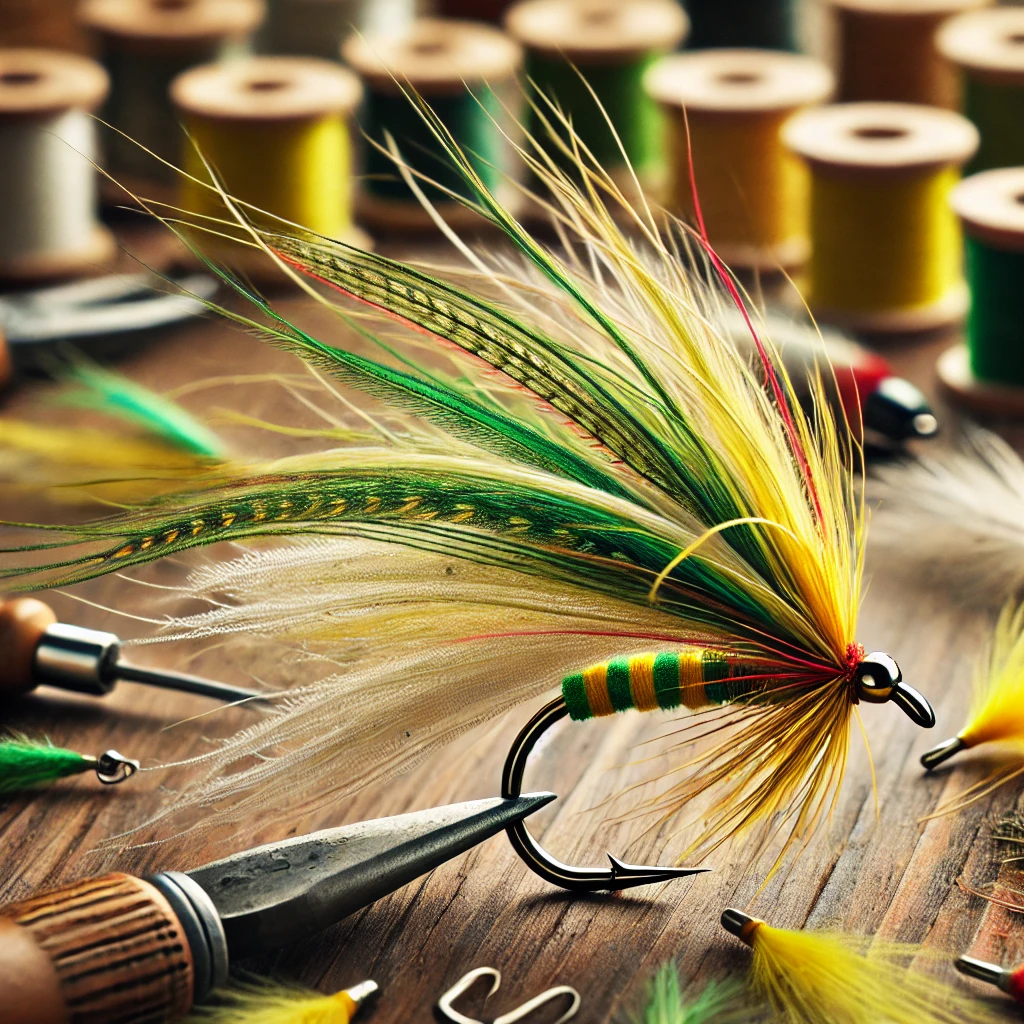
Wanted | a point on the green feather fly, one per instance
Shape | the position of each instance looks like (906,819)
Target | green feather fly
(719,1003)
(27,764)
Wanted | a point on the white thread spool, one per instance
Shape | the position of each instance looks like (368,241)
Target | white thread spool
(48,223)
(316,28)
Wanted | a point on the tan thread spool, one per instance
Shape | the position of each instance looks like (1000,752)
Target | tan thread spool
(886,249)
(112,949)
(886,51)
(990,206)
(144,45)
(448,63)
(275,129)
(752,190)
(48,224)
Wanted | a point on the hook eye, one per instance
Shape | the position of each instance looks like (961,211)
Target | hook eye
(112,768)
(619,876)
(542,1000)
(464,984)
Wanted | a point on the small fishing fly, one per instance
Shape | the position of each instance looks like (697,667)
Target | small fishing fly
(596,477)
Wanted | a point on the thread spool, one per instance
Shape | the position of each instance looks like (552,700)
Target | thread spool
(466,72)
(753,191)
(987,374)
(886,249)
(48,225)
(887,51)
(478,10)
(275,130)
(747,24)
(316,28)
(575,46)
(988,49)
(145,45)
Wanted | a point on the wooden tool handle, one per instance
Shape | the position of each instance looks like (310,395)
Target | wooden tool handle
(107,949)
(23,621)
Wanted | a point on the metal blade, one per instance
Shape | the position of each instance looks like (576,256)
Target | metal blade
(285,891)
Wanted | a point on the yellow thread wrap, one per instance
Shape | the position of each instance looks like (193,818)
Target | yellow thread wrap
(691,679)
(883,242)
(595,679)
(753,192)
(298,170)
(641,681)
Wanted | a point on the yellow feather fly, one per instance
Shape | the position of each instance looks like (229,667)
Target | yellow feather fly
(255,1000)
(827,978)
(997,710)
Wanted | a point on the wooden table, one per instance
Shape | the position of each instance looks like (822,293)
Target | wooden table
(875,870)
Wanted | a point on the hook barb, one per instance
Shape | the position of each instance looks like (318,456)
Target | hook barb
(576,879)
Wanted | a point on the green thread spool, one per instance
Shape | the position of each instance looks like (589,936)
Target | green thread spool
(466,72)
(988,49)
(887,51)
(987,374)
(145,45)
(753,24)
(611,45)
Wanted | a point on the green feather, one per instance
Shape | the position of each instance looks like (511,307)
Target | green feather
(666,1003)
(26,764)
(114,395)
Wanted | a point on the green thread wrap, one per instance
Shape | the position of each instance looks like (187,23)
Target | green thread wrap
(995,325)
(997,111)
(619,90)
(28,765)
(761,24)
(467,115)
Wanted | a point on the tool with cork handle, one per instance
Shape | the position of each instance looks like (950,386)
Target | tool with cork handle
(40,651)
(131,950)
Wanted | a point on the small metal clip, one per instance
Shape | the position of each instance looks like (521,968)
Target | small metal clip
(444,1004)
(112,768)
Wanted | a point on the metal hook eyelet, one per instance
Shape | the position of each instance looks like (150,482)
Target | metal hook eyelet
(112,768)
(618,876)
(467,981)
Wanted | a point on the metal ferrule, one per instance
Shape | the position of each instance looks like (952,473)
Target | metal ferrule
(203,929)
(77,659)
(992,973)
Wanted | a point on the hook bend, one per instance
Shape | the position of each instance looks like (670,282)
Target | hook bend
(577,879)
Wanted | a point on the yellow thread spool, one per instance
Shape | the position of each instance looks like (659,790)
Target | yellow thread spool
(886,248)
(985,375)
(886,50)
(753,191)
(466,72)
(275,130)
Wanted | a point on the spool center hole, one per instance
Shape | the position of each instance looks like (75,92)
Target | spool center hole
(266,85)
(19,77)
(429,47)
(1019,198)
(739,78)
(880,134)
(1017,38)
(598,15)
(171,5)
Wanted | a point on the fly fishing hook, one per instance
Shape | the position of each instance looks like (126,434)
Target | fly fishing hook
(467,981)
(619,876)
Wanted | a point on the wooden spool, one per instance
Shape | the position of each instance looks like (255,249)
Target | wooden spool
(47,210)
(886,51)
(753,191)
(447,63)
(991,209)
(276,129)
(861,155)
(76,953)
(144,45)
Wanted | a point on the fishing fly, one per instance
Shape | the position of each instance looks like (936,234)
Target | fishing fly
(581,479)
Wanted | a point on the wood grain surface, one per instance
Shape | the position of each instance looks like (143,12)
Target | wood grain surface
(876,870)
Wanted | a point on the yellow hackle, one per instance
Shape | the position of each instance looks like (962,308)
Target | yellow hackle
(259,1001)
(824,978)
